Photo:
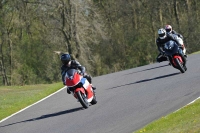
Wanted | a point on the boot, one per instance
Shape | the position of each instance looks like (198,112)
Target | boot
(184,50)
(68,91)
(185,56)
(94,88)
(185,68)
(184,59)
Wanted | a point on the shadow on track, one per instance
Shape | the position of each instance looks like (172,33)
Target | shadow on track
(147,69)
(146,80)
(48,116)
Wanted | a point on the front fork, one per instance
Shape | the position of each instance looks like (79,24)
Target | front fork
(181,53)
(169,58)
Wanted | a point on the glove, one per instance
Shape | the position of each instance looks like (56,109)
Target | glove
(80,73)
(179,35)
(83,74)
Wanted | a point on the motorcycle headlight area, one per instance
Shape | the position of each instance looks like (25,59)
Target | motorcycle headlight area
(168,47)
(77,86)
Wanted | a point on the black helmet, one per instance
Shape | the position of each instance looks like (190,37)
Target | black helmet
(65,58)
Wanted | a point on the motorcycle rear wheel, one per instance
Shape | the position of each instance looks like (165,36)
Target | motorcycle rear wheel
(82,99)
(179,65)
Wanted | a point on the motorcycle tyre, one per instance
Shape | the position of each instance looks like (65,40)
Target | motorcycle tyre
(179,65)
(82,99)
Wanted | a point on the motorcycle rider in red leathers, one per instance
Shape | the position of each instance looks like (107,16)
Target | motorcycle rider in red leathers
(165,37)
(69,64)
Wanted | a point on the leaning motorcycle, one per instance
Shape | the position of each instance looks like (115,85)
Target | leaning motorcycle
(173,53)
(80,88)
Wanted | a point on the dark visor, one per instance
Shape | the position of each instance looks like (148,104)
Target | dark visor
(161,35)
(168,30)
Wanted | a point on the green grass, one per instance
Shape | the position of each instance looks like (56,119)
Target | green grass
(15,98)
(185,120)
(198,52)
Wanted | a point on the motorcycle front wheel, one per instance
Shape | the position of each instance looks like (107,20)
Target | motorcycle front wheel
(179,65)
(82,99)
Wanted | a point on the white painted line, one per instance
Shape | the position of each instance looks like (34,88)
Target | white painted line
(32,105)
(187,104)
(194,101)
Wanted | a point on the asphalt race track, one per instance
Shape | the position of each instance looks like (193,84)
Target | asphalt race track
(127,101)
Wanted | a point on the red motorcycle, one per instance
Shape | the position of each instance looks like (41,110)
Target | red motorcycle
(173,53)
(81,88)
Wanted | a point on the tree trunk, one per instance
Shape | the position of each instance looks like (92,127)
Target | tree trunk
(187,2)
(176,14)
(78,53)
(2,65)
(160,15)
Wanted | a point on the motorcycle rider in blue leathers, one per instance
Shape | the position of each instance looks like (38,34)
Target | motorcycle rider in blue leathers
(69,64)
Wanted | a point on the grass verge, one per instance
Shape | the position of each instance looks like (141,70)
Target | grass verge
(15,98)
(198,52)
(185,120)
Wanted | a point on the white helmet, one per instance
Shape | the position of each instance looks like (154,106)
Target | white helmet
(162,33)
(168,28)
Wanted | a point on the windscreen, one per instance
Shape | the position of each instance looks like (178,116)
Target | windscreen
(70,73)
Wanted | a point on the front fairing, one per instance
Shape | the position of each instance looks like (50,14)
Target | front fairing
(171,48)
(72,77)
(76,83)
